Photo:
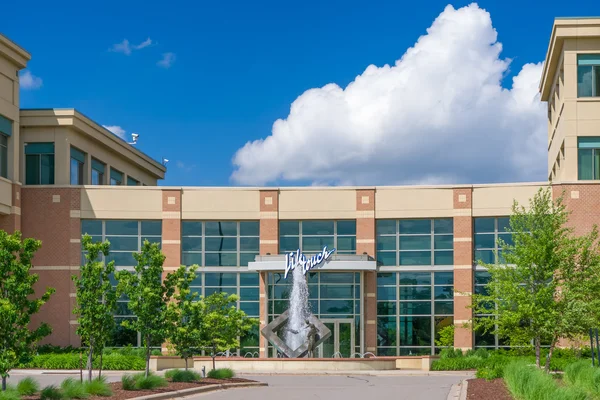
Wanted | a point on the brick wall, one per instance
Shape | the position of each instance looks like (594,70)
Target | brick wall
(52,215)
(463,267)
(583,201)
(269,244)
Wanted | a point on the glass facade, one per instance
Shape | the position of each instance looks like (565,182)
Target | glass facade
(412,307)
(334,297)
(486,233)
(311,236)
(246,286)
(219,243)
(415,242)
(39,163)
(126,238)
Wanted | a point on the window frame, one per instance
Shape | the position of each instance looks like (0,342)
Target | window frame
(74,161)
(116,177)
(3,155)
(593,63)
(39,156)
(398,251)
(101,174)
(301,235)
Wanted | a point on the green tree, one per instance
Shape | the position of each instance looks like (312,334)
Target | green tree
(96,300)
(540,292)
(446,338)
(148,296)
(17,302)
(222,323)
(185,330)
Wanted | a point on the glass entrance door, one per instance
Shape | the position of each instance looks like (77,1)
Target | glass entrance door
(341,342)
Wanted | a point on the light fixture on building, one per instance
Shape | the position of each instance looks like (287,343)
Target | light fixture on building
(134,138)
(164,161)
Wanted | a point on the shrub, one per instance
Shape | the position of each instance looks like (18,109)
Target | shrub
(113,361)
(73,389)
(482,353)
(98,387)
(150,382)
(221,373)
(529,383)
(180,375)
(490,372)
(51,393)
(583,375)
(128,382)
(28,386)
(10,394)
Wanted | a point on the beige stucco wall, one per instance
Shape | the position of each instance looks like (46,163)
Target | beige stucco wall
(407,202)
(64,138)
(5,196)
(498,200)
(219,204)
(320,203)
(111,202)
(572,116)
(9,108)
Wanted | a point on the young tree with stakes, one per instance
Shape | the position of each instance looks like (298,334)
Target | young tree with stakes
(17,302)
(148,296)
(185,330)
(96,300)
(222,324)
(546,288)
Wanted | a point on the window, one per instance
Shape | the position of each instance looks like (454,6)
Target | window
(413,242)
(39,163)
(77,166)
(132,182)
(219,243)
(116,177)
(97,172)
(588,158)
(126,238)
(487,232)
(3,156)
(5,133)
(311,236)
(588,75)
(412,308)
(331,296)
(246,287)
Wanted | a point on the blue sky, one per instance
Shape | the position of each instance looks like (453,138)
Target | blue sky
(237,68)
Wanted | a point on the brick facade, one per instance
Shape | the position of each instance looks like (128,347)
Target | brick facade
(269,244)
(52,215)
(463,267)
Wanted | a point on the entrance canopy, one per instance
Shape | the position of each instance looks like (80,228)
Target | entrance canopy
(336,262)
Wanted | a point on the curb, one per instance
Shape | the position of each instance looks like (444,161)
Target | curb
(458,391)
(201,389)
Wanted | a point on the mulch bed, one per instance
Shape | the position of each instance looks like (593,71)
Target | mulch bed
(481,389)
(120,394)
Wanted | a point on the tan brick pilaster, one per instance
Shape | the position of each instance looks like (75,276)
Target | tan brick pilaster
(171,228)
(365,243)
(463,267)
(269,244)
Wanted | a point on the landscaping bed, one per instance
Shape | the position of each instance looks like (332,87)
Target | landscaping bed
(120,394)
(481,389)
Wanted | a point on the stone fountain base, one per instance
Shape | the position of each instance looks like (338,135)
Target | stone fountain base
(271,333)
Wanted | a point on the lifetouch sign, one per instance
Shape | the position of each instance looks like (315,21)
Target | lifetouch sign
(295,259)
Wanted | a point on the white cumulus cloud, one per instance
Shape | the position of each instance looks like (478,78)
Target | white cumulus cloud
(29,81)
(167,60)
(117,130)
(438,115)
(126,48)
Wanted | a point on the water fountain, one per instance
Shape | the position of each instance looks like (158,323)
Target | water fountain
(290,333)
